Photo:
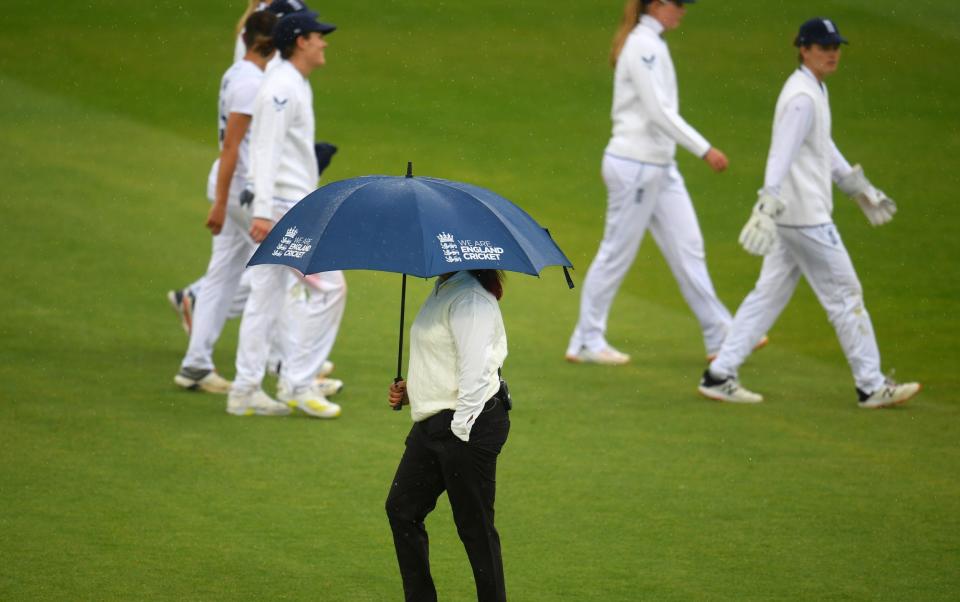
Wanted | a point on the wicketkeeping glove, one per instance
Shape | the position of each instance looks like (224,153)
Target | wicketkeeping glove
(760,232)
(877,206)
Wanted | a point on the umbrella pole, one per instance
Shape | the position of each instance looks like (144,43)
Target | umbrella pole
(403,304)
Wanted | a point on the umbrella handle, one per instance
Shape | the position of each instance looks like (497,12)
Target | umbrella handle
(403,304)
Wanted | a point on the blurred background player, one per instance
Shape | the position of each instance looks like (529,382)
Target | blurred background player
(792,227)
(232,245)
(283,169)
(644,187)
(185,300)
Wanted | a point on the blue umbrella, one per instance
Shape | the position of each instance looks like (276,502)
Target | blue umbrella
(411,225)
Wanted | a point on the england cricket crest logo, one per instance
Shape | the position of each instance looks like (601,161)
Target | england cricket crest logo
(284,243)
(451,252)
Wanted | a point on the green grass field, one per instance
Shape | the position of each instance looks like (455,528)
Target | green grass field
(616,484)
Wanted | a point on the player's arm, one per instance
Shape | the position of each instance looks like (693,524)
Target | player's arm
(237,125)
(760,232)
(875,204)
(669,121)
(271,120)
(473,326)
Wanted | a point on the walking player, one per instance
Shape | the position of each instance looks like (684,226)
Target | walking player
(791,226)
(644,187)
(283,171)
(232,246)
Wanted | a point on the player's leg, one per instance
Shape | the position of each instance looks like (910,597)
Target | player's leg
(632,193)
(830,272)
(313,323)
(239,297)
(676,231)
(778,279)
(232,248)
(268,286)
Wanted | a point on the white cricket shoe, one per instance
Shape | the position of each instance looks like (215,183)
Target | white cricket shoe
(608,356)
(890,394)
(311,402)
(195,379)
(727,389)
(255,403)
(328,387)
(182,302)
(764,340)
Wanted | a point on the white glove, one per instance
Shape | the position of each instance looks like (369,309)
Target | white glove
(877,206)
(760,232)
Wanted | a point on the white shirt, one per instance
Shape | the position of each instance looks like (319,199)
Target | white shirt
(457,344)
(238,91)
(646,121)
(793,125)
(282,160)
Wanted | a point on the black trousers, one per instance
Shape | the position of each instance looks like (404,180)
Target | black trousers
(435,460)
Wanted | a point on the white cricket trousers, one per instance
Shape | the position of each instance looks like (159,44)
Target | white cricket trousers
(309,311)
(817,253)
(232,249)
(642,195)
(239,298)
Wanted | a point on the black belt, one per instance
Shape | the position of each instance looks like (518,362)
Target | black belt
(501,397)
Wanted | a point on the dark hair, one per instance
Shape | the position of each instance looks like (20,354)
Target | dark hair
(258,32)
(287,51)
(632,11)
(491,280)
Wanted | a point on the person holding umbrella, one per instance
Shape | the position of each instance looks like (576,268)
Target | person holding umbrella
(644,187)
(459,406)
(466,235)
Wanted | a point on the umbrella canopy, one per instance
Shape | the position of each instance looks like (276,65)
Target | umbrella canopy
(410,225)
(418,226)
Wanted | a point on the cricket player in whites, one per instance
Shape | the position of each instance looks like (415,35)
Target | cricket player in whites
(283,170)
(792,228)
(644,187)
(232,246)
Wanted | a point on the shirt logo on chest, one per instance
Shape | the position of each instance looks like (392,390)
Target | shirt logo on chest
(649,60)
(279,104)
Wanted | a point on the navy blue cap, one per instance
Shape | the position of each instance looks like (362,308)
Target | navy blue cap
(819,31)
(282,8)
(292,26)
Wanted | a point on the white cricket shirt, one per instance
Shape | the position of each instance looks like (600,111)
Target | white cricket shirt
(646,120)
(238,91)
(457,344)
(803,158)
(282,160)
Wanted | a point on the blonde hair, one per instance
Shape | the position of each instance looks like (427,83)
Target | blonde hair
(251,6)
(632,11)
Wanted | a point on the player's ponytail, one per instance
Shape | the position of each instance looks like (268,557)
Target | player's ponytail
(632,11)
(251,6)
(258,32)
(491,280)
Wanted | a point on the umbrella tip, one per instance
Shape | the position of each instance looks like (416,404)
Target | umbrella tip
(409,169)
